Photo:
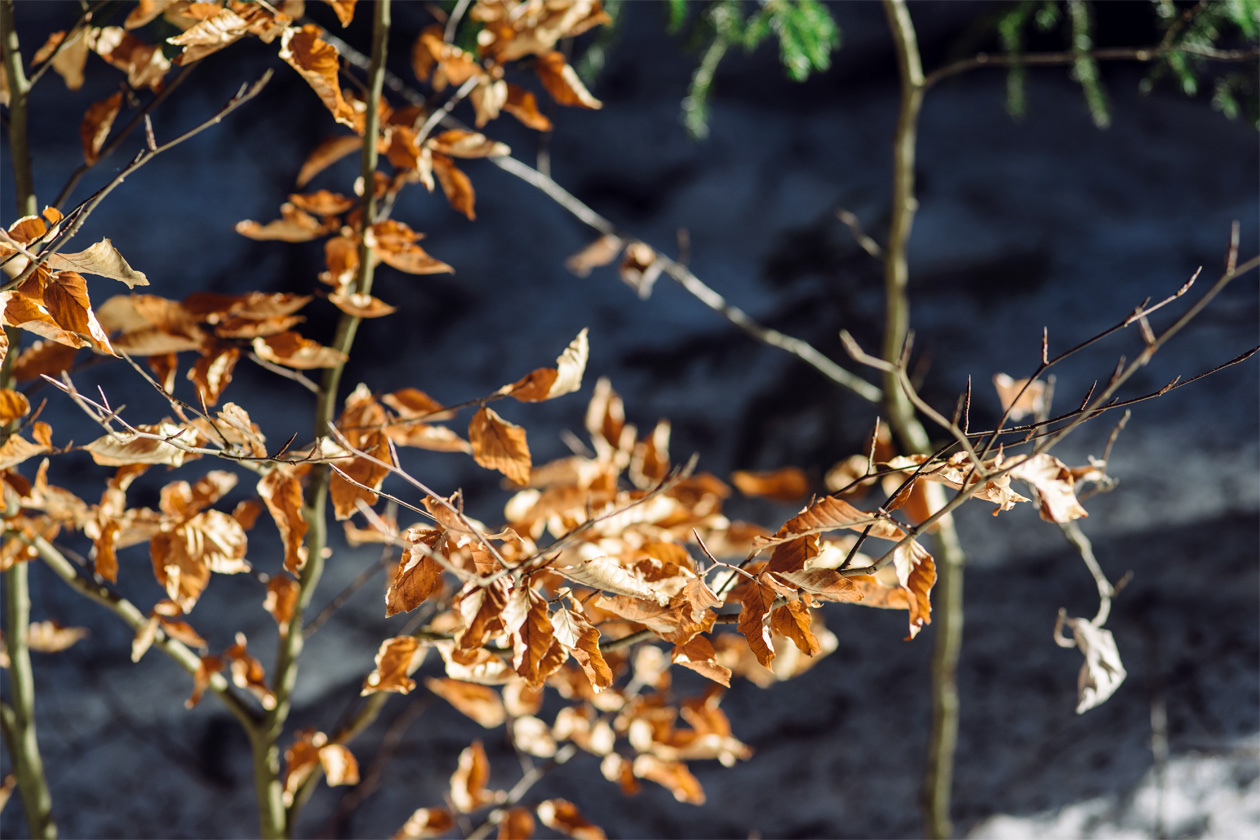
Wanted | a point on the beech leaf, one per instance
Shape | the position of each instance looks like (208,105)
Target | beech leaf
(562,82)
(564,378)
(319,63)
(97,122)
(479,702)
(582,640)
(499,445)
(394,661)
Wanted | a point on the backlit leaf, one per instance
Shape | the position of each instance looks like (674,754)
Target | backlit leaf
(102,260)
(456,185)
(529,629)
(698,655)
(562,82)
(671,775)
(479,702)
(758,599)
(426,822)
(51,636)
(582,640)
(499,445)
(319,63)
(292,350)
(97,122)
(792,620)
(523,105)
(517,824)
(282,595)
(564,817)
(418,575)
(468,782)
(394,660)
(564,378)
(784,485)
(13,405)
(281,491)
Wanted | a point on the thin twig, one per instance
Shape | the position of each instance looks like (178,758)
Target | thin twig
(864,241)
(66,229)
(1139,54)
(675,269)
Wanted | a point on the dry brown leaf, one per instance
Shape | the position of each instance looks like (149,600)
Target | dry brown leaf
(499,445)
(418,575)
(51,636)
(395,244)
(523,105)
(671,775)
(479,702)
(456,185)
(66,299)
(294,225)
(17,449)
(788,484)
(1031,402)
(916,572)
(209,36)
(582,641)
(394,661)
(103,260)
(467,144)
(123,448)
(300,760)
(281,491)
(564,378)
(97,122)
(206,666)
(1055,485)
(212,372)
(13,405)
(528,625)
(325,154)
(143,63)
(430,52)
(42,358)
(344,10)
(606,574)
(698,655)
(640,268)
(361,306)
(340,765)
(1103,672)
(282,595)
(292,350)
(792,620)
(69,60)
(825,584)
(758,598)
(563,816)
(319,63)
(600,252)
(562,82)
(517,824)
(426,822)
(468,782)
(247,673)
